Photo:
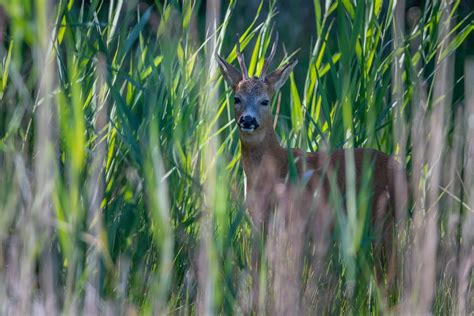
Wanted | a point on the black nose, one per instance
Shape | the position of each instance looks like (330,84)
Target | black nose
(248,122)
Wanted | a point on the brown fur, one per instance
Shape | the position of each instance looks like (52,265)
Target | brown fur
(253,87)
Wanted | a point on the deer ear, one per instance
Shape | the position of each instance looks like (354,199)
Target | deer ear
(278,77)
(229,72)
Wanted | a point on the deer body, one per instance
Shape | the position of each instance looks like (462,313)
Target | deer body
(266,163)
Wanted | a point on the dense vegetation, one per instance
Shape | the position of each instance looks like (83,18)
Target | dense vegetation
(121,187)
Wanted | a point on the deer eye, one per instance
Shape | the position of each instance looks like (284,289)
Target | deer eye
(236,100)
(264,102)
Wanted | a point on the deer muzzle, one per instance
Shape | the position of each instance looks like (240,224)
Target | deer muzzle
(248,123)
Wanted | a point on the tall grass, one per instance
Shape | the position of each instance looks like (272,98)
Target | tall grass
(121,186)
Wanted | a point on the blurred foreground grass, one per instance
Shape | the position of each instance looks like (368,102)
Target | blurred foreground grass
(121,188)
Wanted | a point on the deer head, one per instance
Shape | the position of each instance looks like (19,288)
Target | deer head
(252,96)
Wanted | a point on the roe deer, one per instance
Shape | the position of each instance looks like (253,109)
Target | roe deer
(266,163)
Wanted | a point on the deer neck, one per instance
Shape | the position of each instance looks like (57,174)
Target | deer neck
(254,153)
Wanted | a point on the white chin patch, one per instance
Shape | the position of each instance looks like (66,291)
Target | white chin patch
(247,130)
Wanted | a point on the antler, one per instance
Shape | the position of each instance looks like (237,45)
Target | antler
(241,60)
(268,60)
